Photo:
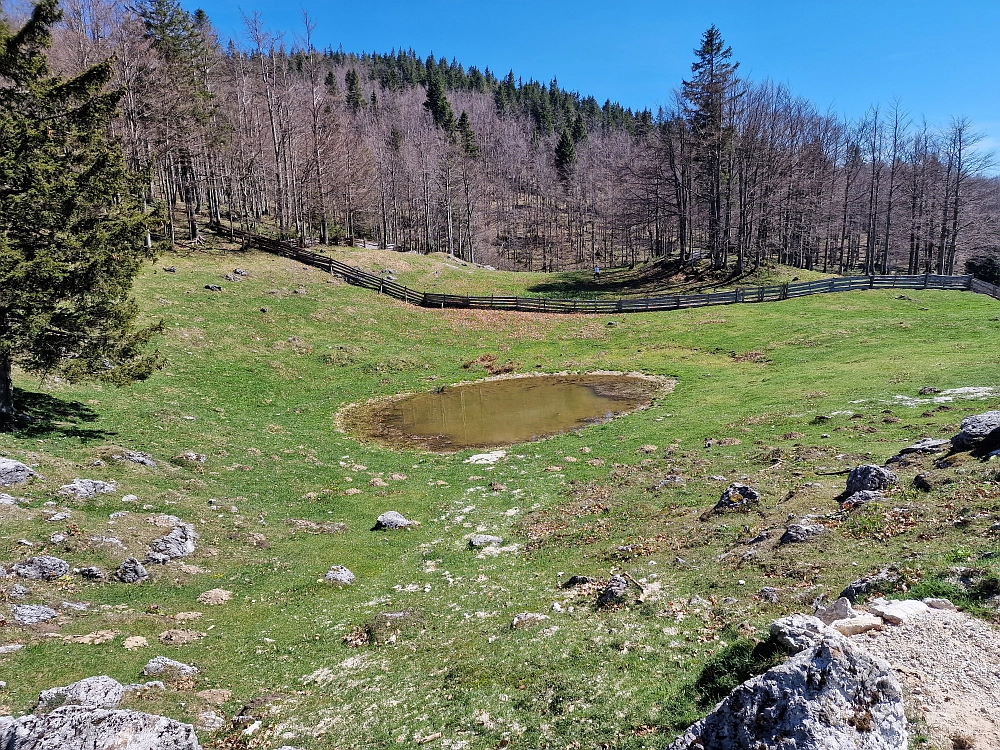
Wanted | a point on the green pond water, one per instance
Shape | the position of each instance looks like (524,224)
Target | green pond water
(502,412)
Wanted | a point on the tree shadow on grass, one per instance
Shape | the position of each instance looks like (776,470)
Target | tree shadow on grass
(43,415)
(663,277)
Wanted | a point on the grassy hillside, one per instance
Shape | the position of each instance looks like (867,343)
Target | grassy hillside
(783,395)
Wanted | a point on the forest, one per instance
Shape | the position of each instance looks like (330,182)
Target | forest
(273,135)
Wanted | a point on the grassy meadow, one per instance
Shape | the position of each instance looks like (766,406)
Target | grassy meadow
(782,396)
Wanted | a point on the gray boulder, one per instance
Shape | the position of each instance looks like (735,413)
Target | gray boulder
(82,489)
(101,692)
(614,593)
(926,445)
(91,728)
(830,694)
(881,581)
(839,610)
(161,665)
(870,477)
(737,497)
(14,472)
(41,568)
(131,571)
(392,520)
(30,614)
(801,532)
(479,541)
(339,576)
(977,430)
(136,457)
(91,573)
(178,543)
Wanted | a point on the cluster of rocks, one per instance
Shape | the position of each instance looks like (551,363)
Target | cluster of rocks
(85,714)
(829,693)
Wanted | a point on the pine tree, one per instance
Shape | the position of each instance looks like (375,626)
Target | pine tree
(467,136)
(565,155)
(353,98)
(579,129)
(72,232)
(438,105)
(706,97)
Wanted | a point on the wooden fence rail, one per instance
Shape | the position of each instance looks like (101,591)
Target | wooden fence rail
(773,293)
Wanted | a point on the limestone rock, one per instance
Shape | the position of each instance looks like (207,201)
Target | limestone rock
(527,619)
(829,695)
(209,721)
(869,584)
(91,573)
(30,614)
(614,593)
(340,576)
(839,610)
(799,632)
(861,497)
(860,623)
(769,594)
(14,472)
(801,532)
(131,571)
(392,520)
(178,543)
(101,692)
(935,603)
(737,497)
(925,445)
(161,665)
(82,489)
(90,728)
(41,568)
(898,611)
(479,541)
(977,430)
(136,457)
(870,477)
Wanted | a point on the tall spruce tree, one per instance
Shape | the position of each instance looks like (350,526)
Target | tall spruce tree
(565,156)
(467,136)
(72,232)
(438,105)
(706,97)
(353,97)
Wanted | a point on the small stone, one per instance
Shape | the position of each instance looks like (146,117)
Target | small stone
(614,593)
(131,571)
(575,580)
(478,541)
(92,573)
(527,619)
(800,532)
(839,610)
(57,517)
(209,721)
(861,497)
(737,497)
(130,499)
(58,538)
(339,575)
(925,445)
(214,597)
(869,584)
(392,520)
(17,591)
(135,641)
(192,457)
(82,489)
(162,665)
(136,457)
(179,636)
(858,624)
(769,594)
(213,287)
(936,603)
(30,614)
(11,648)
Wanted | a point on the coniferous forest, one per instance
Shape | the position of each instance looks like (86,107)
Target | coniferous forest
(278,136)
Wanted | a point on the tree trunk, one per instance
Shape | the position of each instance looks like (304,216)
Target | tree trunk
(7,412)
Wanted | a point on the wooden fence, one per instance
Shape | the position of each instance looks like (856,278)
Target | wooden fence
(774,293)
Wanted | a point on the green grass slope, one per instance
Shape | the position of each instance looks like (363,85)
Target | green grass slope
(258,391)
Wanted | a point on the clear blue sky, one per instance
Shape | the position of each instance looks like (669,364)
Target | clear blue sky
(939,57)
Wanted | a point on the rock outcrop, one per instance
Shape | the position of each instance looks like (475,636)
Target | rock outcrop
(14,472)
(737,497)
(179,542)
(88,728)
(41,568)
(338,575)
(131,571)
(82,489)
(101,692)
(830,694)
(391,520)
(870,477)
(978,430)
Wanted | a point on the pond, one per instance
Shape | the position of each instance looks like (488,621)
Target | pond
(494,413)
